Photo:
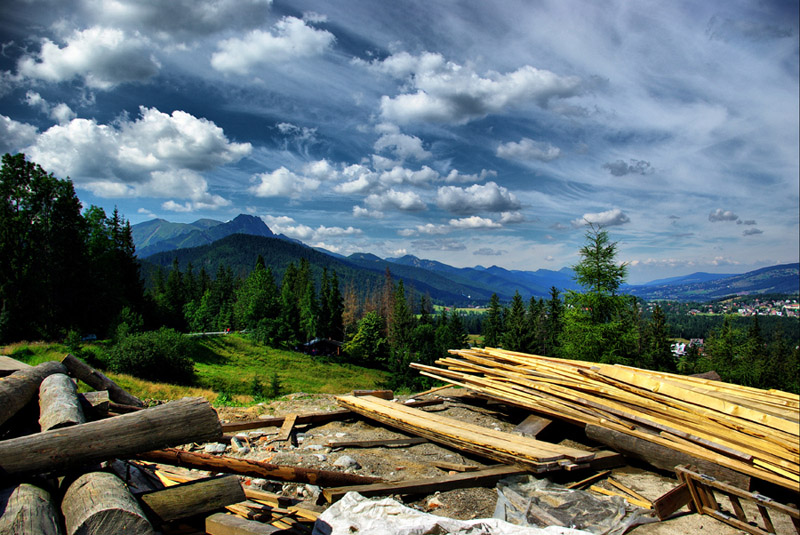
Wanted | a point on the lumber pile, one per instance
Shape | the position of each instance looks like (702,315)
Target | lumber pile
(743,430)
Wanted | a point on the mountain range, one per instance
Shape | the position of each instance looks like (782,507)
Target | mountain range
(236,244)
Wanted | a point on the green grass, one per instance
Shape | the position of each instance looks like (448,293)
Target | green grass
(224,365)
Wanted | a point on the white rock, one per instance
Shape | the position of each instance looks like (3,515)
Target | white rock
(215,447)
(345,461)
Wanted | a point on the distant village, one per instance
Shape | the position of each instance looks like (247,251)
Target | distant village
(768,307)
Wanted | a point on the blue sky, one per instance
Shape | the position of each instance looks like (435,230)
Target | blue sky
(473,132)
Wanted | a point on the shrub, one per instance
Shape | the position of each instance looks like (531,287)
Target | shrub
(162,355)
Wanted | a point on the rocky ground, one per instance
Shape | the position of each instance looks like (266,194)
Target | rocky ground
(311,448)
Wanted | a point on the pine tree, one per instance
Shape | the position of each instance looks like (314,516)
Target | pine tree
(493,324)
(516,336)
(659,351)
(555,311)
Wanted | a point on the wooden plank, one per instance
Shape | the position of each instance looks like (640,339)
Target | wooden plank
(22,386)
(532,425)
(174,423)
(247,467)
(629,499)
(455,467)
(668,503)
(80,370)
(485,477)
(189,499)
(27,509)
(285,432)
(58,403)
(226,524)
(589,480)
(389,443)
(382,394)
(613,482)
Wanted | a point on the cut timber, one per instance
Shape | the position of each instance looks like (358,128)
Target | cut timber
(22,386)
(9,365)
(225,524)
(671,501)
(174,423)
(246,467)
(94,404)
(589,480)
(98,381)
(391,443)
(196,497)
(455,467)
(98,503)
(535,455)
(286,429)
(532,425)
(383,394)
(28,510)
(58,403)
(661,456)
(486,477)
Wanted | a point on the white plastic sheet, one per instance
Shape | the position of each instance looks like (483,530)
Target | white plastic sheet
(357,514)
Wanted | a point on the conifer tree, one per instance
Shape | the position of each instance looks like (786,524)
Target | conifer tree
(493,324)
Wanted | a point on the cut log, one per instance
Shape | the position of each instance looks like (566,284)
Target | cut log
(661,456)
(28,510)
(189,499)
(174,423)
(9,365)
(22,386)
(80,370)
(94,404)
(225,524)
(99,503)
(486,477)
(246,467)
(58,403)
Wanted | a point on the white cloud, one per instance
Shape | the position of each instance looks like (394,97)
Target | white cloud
(450,93)
(722,215)
(359,179)
(474,222)
(131,150)
(401,145)
(282,183)
(360,211)
(292,39)
(528,149)
(476,198)
(182,184)
(102,57)
(609,218)
(406,201)
(303,133)
(621,168)
(15,135)
(62,113)
(428,228)
(320,169)
(454,176)
(289,227)
(401,175)
(440,244)
(488,251)
(511,217)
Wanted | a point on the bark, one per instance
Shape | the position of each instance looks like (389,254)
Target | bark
(58,403)
(28,510)
(78,369)
(196,497)
(174,423)
(22,386)
(100,503)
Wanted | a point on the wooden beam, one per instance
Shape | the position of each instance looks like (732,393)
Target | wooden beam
(80,370)
(390,443)
(195,497)
(25,508)
(226,524)
(99,502)
(174,423)
(589,480)
(485,477)
(22,386)
(671,501)
(247,467)
(383,394)
(58,403)
(532,425)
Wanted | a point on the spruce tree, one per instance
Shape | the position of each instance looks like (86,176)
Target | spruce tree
(493,324)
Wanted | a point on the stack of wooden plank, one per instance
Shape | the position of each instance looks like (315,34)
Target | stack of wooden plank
(747,430)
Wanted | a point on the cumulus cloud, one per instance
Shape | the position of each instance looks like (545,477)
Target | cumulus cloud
(102,57)
(360,211)
(528,149)
(131,150)
(15,135)
(752,232)
(358,179)
(454,176)
(60,112)
(289,227)
(445,92)
(428,228)
(476,198)
(292,38)
(401,175)
(633,167)
(722,215)
(282,183)
(487,251)
(320,169)
(406,201)
(609,218)
(403,146)
(511,217)
(474,222)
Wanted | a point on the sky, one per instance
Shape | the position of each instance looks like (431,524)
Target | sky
(471,132)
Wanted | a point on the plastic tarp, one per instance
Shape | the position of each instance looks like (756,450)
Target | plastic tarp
(527,501)
(357,514)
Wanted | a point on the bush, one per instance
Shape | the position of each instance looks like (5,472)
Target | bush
(162,355)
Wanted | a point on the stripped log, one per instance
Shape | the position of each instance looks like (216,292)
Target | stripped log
(174,423)
(28,510)
(94,404)
(9,365)
(247,467)
(22,386)
(195,497)
(99,503)
(80,370)
(58,403)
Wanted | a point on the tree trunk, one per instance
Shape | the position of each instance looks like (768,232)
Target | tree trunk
(246,467)
(28,510)
(20,387)
(58,403)
(195,497)
(174,423)
(98,381)
(99,503)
